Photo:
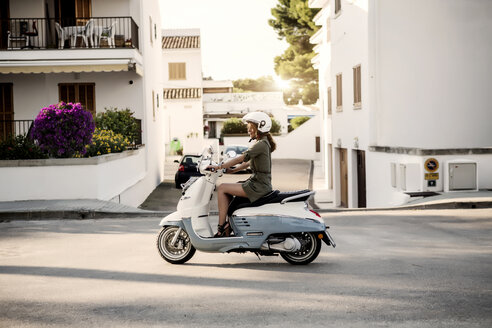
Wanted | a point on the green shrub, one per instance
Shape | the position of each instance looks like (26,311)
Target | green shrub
(275,126)
(20,147)
(298,121)
(234,126)
(106,142)
(120,122)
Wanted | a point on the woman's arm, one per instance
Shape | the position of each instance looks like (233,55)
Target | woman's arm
(238,168)
(228,164)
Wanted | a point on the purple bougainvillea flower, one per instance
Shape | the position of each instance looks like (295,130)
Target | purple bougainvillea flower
(63,129)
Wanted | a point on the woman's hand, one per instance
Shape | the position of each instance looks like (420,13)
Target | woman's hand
(212,168)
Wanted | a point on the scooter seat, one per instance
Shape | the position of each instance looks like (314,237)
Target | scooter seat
(274,196)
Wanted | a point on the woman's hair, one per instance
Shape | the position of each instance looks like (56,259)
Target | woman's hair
(260,135)
(273,145)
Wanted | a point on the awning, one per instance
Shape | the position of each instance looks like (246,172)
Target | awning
(69,66)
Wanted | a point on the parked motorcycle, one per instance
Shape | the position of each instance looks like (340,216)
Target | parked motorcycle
(278,223)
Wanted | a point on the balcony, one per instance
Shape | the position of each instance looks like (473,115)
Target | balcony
(43,45)
(73,33)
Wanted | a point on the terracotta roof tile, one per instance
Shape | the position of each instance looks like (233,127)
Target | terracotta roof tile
(180,42)
(182,93)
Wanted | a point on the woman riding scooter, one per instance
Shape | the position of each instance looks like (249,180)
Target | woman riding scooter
(258,158)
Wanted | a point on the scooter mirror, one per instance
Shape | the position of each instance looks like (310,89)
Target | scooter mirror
(231,154)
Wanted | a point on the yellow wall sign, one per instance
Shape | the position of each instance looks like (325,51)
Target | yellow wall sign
(432,176)
(431,165)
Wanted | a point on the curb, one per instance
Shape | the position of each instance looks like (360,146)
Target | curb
(437,206)
(77,215)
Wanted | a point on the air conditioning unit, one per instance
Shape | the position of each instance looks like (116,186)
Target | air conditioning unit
(410,177)
(462,175)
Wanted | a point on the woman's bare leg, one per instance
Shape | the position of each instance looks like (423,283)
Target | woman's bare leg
(224,192)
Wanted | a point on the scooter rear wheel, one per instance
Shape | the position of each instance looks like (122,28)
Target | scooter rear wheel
(309,251)
(178,253)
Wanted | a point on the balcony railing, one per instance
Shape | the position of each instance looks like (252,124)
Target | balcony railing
(12,128)
(81,33)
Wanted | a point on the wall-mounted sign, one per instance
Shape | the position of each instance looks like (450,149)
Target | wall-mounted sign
(431,165)
(432,176)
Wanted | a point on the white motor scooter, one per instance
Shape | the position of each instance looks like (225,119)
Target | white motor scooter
(278,223)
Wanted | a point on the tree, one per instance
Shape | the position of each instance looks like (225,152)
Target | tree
(261,84)
(298,121)
(293,21)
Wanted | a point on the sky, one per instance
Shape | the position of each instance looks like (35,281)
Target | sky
(236,40)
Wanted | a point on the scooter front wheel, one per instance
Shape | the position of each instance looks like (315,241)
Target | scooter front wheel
(179,252)
(310,248)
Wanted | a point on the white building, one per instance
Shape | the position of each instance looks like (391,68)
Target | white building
(182,79)
(302,143)
(404,88)
(114,63)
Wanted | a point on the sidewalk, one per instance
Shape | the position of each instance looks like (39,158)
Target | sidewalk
(323,199)
(164,198)
(71,209)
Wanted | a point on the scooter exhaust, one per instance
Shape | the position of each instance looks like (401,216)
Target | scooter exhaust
(288,245)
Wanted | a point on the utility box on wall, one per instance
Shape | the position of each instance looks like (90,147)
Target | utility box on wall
(410,177)
(462,176)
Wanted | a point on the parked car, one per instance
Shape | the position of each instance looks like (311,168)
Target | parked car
(188,167)
(238,149)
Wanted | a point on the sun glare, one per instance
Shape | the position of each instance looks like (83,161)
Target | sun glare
(282,84)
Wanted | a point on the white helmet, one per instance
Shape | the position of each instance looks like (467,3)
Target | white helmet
(261,119)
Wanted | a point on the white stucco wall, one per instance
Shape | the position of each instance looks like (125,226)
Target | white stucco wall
(349,47)
(63,179)
(300,143)
(432,73)
(153,117)
(380,192)
(110,8)
(350,125)
(322,62)
(35,91)
(192,58)
(26,9)
(183,119)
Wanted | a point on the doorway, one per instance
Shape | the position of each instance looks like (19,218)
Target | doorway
(212,131)
(361,178)
(6,110)
(72,12)
(343,178)
(4,23)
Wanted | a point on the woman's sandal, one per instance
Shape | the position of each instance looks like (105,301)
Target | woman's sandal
(223,230)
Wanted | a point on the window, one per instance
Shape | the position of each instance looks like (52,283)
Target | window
(151,31)
(339,92)
(329,101)
(357,87)
(153,105)
(84,93)
(177,71)
(338,6)
(6,111)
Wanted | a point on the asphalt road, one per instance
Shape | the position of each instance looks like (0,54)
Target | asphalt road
(390,269)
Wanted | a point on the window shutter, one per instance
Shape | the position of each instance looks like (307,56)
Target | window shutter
(339,92)
(329,101)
